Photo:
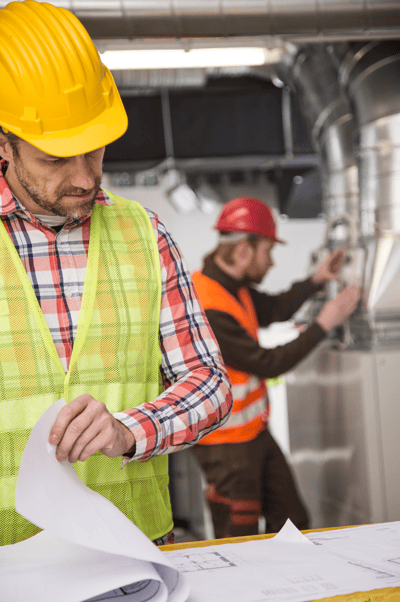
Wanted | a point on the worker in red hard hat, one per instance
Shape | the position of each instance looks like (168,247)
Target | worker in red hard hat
(247,473)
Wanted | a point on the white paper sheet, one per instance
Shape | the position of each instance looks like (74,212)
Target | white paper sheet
(285,568)
(88,547)
(374,549)
(90,550)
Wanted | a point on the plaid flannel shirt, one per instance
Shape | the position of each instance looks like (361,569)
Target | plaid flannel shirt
(197,396)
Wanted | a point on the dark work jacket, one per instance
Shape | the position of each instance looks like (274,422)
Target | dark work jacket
(239,350)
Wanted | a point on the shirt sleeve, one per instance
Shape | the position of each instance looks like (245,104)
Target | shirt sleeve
(197,397)
(241,352)
(281,307)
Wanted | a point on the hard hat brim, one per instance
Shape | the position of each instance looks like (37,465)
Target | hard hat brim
(107,127)
(244,232)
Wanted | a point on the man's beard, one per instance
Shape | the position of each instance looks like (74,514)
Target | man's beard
(258,279)
(54,205)
(254,279)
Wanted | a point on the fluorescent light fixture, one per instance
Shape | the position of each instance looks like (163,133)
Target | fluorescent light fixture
(194,58)
(183,199)
(209,200)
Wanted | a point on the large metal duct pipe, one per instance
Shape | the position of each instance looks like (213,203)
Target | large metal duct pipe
(313,76)
(349,469)
(214,18)
(371,75)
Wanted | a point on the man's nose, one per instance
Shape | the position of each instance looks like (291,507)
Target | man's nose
(82,175)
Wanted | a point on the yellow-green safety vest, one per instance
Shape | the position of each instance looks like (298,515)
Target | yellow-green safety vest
(115,358)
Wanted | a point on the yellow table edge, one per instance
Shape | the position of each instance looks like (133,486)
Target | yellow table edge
(389,594)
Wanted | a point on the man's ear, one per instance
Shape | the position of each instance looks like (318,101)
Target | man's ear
(244,253)
(6,151)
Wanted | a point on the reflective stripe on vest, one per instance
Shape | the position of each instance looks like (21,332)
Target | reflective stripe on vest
(250,407)
(116,359)
(242,390)
(249,411)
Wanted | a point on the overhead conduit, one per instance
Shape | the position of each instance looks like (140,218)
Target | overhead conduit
(313,19)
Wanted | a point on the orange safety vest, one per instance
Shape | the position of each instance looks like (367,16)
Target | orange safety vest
(250,403)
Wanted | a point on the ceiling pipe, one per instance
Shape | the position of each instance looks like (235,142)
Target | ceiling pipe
(319,20)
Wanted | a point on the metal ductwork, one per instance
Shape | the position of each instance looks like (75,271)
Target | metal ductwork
(370,74)
(350,95)
(311,73)
(345,453)
(321,19)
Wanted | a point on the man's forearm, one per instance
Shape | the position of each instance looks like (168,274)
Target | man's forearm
(241,352)
(281,307)
(182,415)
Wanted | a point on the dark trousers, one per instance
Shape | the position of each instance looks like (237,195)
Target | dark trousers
(247,480)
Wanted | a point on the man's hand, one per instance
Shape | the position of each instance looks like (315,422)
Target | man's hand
(330,268)
(85,426)
(341,307)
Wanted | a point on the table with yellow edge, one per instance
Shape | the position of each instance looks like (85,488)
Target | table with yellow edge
(389,594)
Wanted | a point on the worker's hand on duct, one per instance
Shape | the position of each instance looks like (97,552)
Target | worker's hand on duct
(330,267)
(85,426)
(335,312)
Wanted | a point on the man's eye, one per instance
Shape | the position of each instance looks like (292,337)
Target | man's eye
(57,160)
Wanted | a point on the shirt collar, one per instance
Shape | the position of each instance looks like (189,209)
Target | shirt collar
(9,203)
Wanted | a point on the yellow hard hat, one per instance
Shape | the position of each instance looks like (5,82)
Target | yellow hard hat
(55,93)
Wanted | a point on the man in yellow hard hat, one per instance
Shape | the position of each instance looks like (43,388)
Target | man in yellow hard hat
(96,304)
(247,473)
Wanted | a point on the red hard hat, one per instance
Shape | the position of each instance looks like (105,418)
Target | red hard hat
(246,214)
